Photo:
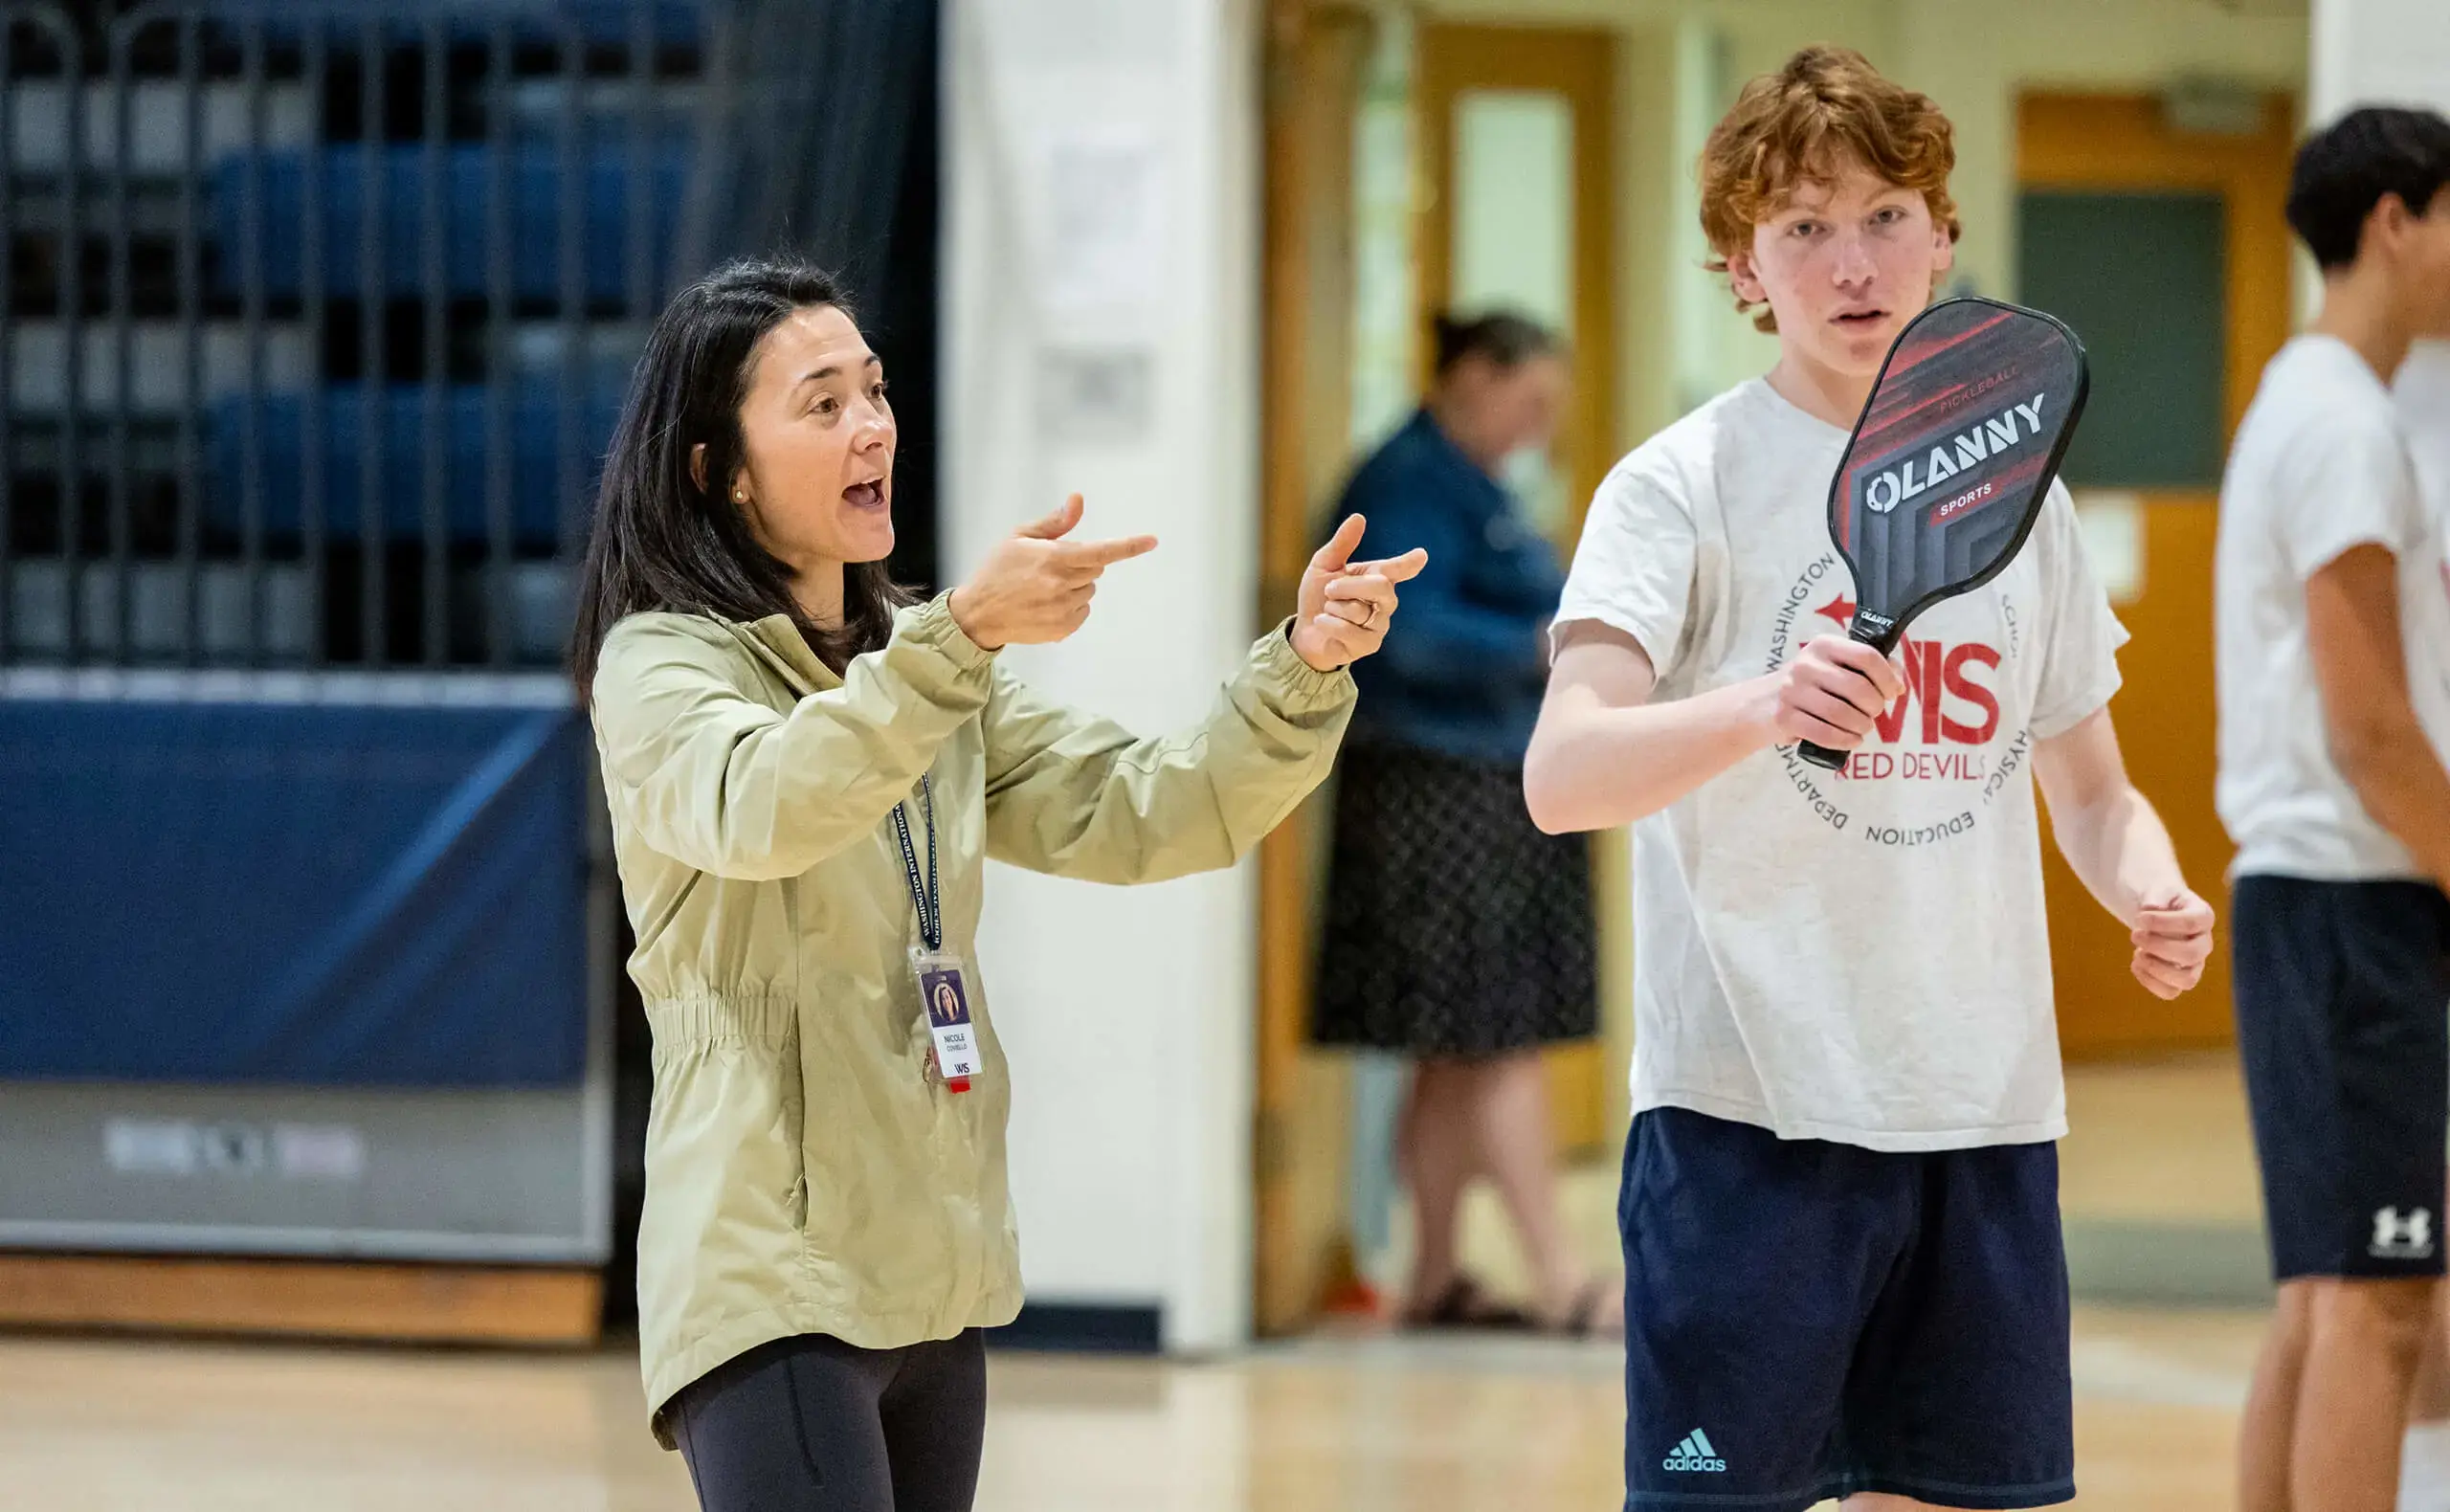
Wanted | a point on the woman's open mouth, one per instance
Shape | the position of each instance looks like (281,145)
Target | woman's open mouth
(865,496)
(1859,319)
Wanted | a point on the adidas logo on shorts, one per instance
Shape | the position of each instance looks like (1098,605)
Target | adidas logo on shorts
(1695,1453)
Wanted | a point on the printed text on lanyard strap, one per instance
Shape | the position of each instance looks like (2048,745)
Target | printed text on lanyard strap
(923,889)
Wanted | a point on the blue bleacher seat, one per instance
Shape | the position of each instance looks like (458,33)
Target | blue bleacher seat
(403,22)
(532,182)
(534,425)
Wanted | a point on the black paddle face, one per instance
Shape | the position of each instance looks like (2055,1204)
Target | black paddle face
(1950,462)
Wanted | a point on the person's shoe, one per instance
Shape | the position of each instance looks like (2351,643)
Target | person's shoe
(1587,1317)
(1464,1304)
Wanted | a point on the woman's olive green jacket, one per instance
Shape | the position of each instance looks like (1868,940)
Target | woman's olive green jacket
(807,1171)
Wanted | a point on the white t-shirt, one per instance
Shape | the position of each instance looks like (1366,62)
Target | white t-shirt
(1862,957)
(2318,467)
(2420,393)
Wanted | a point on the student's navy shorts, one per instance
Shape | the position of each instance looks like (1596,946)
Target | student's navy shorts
(2344,1028)
(1806,1320)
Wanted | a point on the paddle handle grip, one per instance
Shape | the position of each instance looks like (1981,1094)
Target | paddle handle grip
(1883,639)
(1822,756)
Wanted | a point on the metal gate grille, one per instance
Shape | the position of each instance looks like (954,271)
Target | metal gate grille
(318,315)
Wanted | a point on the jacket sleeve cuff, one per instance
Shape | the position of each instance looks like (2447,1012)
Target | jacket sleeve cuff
(931,624)
(1298,687)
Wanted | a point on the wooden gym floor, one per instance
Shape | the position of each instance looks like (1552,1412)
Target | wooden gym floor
(1325,1425)
(1330,1424)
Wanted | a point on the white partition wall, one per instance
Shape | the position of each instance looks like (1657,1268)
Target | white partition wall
(2379,52)
(1102,317)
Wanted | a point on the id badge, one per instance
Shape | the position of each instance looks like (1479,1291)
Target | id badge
(944,989)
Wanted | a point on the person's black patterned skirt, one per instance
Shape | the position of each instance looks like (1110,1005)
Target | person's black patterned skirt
(1454,927)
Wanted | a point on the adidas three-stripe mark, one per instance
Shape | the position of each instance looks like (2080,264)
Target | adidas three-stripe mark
(1695,1453)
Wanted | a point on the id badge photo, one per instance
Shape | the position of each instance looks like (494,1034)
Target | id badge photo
(944,989)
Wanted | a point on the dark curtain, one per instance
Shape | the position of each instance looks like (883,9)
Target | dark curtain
(823,143)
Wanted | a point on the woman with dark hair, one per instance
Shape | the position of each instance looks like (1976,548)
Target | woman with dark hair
(1458,934)
(807,769)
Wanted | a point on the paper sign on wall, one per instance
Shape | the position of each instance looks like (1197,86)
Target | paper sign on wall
(1104,242)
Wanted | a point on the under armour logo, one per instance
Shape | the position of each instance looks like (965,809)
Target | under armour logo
(2399,1239)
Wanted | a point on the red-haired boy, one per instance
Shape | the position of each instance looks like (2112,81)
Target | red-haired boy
(1844,1268)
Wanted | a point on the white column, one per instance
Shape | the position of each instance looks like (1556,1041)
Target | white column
(1102,257)
(2392,53)
(2378,53)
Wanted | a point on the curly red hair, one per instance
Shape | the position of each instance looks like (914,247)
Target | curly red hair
(1804,124)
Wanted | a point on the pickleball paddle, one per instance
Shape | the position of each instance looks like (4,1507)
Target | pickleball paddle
(1949,462)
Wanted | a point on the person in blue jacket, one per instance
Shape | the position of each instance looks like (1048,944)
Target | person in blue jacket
(1457,933)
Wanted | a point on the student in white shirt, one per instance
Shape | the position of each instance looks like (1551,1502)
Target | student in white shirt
(1844,1273)
(2421,395)
(2333,638)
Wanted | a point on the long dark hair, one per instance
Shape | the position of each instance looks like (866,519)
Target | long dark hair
(663,540)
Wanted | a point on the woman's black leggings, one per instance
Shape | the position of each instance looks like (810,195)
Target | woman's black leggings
(813,1425)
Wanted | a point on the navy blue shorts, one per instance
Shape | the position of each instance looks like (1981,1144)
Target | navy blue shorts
(1806,1320)
(2344,1028)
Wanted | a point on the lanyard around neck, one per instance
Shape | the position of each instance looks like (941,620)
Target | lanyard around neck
(924,893)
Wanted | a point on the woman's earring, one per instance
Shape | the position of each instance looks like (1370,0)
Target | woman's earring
(739,496)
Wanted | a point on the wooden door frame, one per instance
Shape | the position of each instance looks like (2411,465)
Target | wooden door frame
(2107,144)
(1579,63)
(1310,87)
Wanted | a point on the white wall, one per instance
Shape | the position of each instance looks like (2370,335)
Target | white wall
(2396,53)
(1128,1015)
(2379,52)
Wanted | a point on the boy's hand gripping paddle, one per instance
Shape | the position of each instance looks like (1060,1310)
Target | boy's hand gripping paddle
(1950,462)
